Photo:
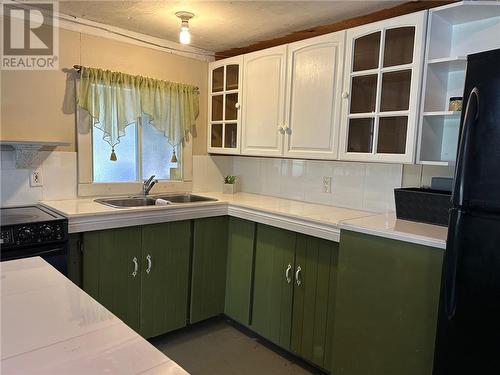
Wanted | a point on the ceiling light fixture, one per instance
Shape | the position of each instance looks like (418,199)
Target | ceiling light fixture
(184,36)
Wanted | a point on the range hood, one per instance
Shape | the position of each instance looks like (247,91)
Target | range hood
(27,151)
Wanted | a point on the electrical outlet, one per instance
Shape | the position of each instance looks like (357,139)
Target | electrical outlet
(327,184)
(36,178)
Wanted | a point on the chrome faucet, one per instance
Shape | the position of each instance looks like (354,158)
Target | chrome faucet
(148,185)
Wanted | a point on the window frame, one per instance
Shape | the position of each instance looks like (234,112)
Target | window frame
(87,186)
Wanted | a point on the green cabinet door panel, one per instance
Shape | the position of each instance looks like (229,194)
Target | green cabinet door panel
(75,259)
(239,269)
(314,283)
(91,263)
(117,288)
(386,306)
(164,289)
(208,283)
(272,295)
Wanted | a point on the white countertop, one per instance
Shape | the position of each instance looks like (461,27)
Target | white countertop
(50,326)
(387,225)
(317,220)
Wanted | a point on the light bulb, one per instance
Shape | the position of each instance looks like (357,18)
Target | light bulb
(184,36)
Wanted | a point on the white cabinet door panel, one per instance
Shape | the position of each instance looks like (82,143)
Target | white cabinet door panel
(382,82)
(263,102)
(314,80)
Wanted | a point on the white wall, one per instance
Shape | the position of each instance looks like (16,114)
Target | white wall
(58,175)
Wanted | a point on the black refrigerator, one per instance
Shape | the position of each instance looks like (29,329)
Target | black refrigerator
(468,330)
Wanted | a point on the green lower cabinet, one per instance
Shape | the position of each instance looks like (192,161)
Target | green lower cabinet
(165,277)
(273,284)
(386,306)
(109,261)
(75,259)
(313,299)
(141,274)
(240,249)
(208,281)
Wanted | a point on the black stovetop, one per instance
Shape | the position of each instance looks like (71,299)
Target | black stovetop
(30,226)
(26,215)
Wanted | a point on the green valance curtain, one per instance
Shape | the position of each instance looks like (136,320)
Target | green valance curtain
(115,100)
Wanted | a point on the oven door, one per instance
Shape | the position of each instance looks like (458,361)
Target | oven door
(56,255)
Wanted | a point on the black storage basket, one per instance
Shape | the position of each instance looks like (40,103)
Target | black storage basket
(423,205)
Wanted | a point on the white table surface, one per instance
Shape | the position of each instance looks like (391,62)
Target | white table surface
(50,326)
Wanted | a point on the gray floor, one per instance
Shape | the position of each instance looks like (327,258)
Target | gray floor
(218,348)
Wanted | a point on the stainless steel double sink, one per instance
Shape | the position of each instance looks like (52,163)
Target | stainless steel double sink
(141,201)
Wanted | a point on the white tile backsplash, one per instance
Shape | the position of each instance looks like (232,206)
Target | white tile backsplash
(365,186)
(293,175)
(270,176)
(58,174)
(313,189)
(209,171)
(348,184)
(415,175)
(380,181)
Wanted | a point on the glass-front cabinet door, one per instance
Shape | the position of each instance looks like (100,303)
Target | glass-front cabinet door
(224,90)
(381,90)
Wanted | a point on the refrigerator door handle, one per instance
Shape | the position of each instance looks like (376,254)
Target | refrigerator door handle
(470,118)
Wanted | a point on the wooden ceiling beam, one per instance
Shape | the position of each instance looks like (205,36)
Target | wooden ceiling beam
(398,10)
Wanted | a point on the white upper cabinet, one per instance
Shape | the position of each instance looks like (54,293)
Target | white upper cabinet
(224,96)
(383,69)
(314,85)
(264,74)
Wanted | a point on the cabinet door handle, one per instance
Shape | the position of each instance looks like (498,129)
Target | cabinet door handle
(136,267)
(237,106)
(297,276)
(150,263)
(345,94)
(288,130)
(281,129)
(287,274)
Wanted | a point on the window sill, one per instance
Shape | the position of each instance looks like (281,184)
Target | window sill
(132,188)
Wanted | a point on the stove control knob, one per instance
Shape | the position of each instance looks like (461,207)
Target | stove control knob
(24,234)
(46,232)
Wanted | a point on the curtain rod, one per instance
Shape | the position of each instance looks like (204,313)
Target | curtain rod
(78,68)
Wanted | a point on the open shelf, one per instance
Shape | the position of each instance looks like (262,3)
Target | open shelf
(474,11)
(454,31)
(443,113)
(450,64)
(448,60)
(439,139)
(436,162)
(460,29)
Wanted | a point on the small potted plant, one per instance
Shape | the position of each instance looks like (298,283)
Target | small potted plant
(229,186)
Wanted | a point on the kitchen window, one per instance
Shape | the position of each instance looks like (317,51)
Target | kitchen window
(132,127)
(143,151)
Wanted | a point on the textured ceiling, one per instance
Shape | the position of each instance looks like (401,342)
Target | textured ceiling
(220,25)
